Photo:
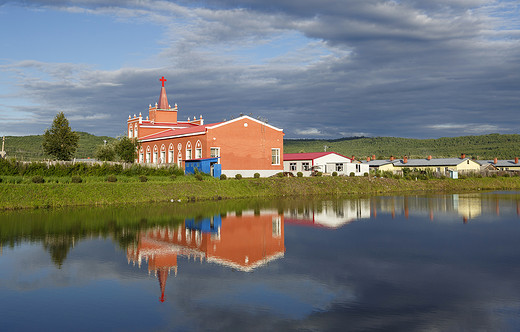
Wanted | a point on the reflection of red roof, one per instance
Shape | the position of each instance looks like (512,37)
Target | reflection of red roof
(308,155)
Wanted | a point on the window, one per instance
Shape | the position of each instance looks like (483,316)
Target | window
(292,166)
(130,133)
(141,157)
(135,131)
(198,153)
(358,168)
(179,160)
(339,167)
(275,156)
(277,226)
(215,152)
(163,157)
(468,161)
(170,156)
(148,157)
(306,166)
(188,154)
(155,157)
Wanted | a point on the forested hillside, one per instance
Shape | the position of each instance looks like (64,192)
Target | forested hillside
(481,147)
(30,147)
(478,147)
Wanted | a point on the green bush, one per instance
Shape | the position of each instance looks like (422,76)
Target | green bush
(318,174)
(365,174)
(76,179)
(0,180)
(334,173)
(299,174)
(37,179)
(280,175)
(238,176)
(223,176)
(256,175)
(199,176)
(352,174)
(111,178)
(143,178)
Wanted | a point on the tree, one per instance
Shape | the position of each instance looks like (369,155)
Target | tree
(60,141)
(106,152)
(126,149)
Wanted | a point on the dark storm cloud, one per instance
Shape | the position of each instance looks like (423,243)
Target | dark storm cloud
(388,68)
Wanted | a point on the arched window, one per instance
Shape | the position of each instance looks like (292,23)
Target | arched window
(198,150)
(148,155)
(188,151)
(135,130)
(155,154)
(163,154)
(179,159)
(170,154)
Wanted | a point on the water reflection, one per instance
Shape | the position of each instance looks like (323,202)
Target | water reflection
(242,241)
(417,262)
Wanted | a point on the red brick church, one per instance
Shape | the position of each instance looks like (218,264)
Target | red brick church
(243,145)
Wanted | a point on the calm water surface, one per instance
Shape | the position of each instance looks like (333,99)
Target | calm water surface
(414,263)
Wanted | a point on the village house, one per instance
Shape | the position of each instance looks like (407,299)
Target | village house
(243,145)
(325,162)
(442,166)
(500,165)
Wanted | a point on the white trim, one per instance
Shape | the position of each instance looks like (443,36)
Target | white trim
(249,173)
(241,118)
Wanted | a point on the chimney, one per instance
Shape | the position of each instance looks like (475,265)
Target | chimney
(495,161)
(516,160)
(373,157)
(368,158)
(462,155)
(405,159)
(392,158)
(429,157)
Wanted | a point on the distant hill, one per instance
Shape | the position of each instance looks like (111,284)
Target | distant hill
(481,147)
(30,147)
(478,147)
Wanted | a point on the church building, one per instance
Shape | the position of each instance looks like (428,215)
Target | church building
(243,145)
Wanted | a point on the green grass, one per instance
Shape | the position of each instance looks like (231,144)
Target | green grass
(96,191)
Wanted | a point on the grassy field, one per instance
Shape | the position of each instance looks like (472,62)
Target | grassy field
(96,191)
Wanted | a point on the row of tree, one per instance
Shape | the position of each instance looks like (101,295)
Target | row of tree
(61,142)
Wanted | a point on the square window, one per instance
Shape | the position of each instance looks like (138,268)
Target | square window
(275,156)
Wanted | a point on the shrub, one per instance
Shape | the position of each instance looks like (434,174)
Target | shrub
(223,176)
(280,175)
(257,175)
(238,176)
(365,174)
(199,176)
(76,179)
(334,173)
(143,178)
(37,179)
(299,174)
(318,174)
(352,174)
(0,180)
(111,178)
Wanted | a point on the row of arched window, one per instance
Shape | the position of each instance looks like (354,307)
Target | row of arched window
(163,155)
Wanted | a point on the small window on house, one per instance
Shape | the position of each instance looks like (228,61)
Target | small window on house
(306,166)
(292,166)
(275,156)
(148,157)
(163,157)
(130,133)
(468,162)
(170,156)
(358,168)
(198,153)
(188,154)
(339,167)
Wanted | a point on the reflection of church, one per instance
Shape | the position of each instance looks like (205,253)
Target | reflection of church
(241,241)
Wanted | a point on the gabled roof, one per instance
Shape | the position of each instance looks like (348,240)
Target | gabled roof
(308,155)
(377,163)
(430,163)
(171,133)
(500,163)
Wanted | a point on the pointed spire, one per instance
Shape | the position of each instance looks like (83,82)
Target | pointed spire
(162,276)
(163,100)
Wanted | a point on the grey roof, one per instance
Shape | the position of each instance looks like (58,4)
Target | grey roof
(377,163)
(500,163)
(430,163)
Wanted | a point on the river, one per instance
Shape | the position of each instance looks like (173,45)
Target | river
(397,263)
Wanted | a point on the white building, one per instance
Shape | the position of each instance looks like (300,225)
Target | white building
(325,162)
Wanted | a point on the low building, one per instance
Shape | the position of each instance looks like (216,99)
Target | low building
(442,166)
(500,165)
(325,162)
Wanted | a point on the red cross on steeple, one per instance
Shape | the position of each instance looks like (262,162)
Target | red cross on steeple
(163,80)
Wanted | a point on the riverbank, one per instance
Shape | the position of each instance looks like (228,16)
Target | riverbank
(44,195)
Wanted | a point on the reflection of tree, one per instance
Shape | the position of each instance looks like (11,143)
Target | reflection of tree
(58,247)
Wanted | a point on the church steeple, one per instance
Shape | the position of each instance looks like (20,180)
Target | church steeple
(163,100)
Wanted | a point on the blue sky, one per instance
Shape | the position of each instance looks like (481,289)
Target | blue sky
(316,68)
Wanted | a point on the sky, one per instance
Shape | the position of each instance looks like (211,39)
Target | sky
(315,68)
